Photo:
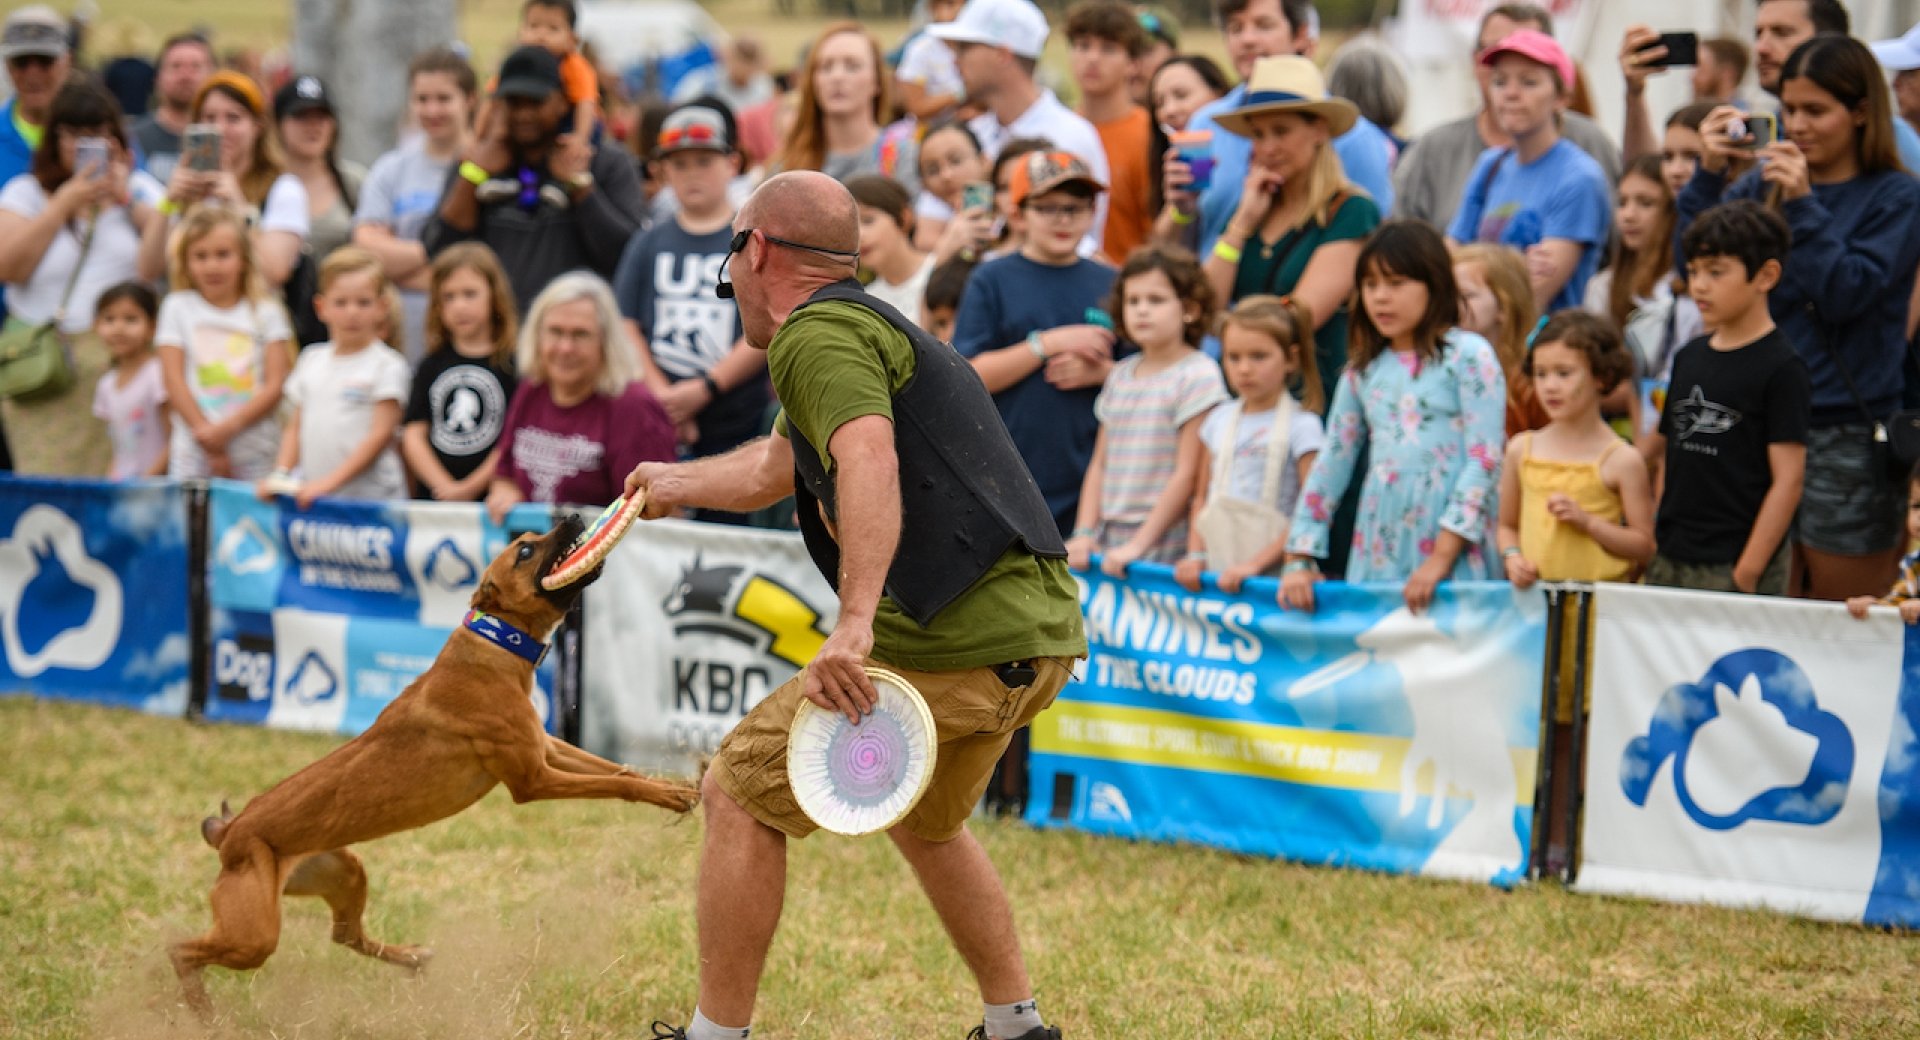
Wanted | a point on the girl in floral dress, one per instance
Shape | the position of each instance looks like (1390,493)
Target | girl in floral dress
(1429,402)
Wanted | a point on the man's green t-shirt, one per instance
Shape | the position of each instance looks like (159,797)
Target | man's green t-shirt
(834,362)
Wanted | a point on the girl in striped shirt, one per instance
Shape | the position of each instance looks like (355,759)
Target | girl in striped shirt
(1139,486)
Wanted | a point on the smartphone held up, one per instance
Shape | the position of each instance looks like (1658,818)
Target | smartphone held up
(200,147)
(1683,48)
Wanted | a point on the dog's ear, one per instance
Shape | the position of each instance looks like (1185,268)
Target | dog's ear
(487,596)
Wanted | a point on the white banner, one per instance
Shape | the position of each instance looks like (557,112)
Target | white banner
(689,626)
(1736,752)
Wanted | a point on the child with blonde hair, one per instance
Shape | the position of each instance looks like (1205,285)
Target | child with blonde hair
(458,408)
(1256,452)
(225,350)
(1496,301)
(352,383)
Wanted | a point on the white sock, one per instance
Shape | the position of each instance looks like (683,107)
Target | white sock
(704,1028)
(1011,1021)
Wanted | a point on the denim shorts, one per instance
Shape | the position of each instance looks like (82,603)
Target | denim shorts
(1849,506)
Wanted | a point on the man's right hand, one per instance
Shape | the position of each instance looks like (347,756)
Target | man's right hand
(659,481)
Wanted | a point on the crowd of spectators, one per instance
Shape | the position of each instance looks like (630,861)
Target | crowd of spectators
(1234,320)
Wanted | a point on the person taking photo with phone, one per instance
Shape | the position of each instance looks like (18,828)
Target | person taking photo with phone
(1843,293)
(69,229)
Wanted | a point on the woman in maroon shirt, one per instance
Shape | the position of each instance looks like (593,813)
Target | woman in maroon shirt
(581,419)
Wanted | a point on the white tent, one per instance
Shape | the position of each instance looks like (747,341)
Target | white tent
(1436,37)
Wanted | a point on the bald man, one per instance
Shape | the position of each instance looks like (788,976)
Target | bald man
(950,570)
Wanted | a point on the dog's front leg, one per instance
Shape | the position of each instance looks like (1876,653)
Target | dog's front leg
(528,778)
(567,758)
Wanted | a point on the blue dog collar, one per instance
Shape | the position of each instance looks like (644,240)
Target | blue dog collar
(505,636)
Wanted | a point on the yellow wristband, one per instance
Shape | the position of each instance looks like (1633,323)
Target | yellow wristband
(1226,252)
(1182,219)
(472,173)
(168,207)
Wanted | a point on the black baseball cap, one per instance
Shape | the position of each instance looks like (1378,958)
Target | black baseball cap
(531,73)
(302,94)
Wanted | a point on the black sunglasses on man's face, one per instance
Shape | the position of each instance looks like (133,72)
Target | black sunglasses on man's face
(724,287)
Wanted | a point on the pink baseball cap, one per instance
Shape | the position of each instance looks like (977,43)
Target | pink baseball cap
(1533,45)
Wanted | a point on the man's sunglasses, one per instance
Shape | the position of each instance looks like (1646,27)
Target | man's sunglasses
(724,287)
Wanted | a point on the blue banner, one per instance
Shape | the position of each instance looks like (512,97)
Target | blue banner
(1360,735)
(93,592)
(321,617)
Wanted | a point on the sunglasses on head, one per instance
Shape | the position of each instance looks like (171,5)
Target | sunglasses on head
(695,134)
(724,287)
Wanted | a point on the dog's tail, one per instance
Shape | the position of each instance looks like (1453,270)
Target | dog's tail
(214,828)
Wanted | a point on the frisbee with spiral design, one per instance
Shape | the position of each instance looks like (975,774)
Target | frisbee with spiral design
(596,542)
(861,779)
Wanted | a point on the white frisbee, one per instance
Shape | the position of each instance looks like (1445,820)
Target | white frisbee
(860,779)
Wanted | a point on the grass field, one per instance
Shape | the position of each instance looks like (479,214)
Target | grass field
(575,920)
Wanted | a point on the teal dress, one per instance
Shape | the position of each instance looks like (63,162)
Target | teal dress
(1276,267)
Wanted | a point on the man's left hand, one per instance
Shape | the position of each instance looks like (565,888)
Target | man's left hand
(837,678)
(571,157)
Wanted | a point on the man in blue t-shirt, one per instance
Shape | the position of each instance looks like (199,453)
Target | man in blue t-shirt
(713,385)
(34,44)
(1543,196)
(1035,327)
(1258,29)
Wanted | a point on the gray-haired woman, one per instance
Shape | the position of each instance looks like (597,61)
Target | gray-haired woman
(581,419)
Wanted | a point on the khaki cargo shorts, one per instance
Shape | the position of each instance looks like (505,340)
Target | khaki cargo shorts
(974,715)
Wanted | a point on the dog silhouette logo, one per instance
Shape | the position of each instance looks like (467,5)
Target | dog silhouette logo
(750,609)
(448,567)
(1749,741)
(62,608)
(313,680)
(1457,732)
(245,549)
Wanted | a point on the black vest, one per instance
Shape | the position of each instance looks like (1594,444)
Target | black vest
(965,493)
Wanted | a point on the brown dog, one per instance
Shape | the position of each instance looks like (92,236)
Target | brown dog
(462,727)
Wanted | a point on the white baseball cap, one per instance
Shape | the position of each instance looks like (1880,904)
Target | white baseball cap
(1016,25)
(1900,55)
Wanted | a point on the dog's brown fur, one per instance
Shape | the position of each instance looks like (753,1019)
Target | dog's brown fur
(462,727)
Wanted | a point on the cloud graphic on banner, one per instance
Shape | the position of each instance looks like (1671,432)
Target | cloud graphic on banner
(448,568)
(246,549)
(313,680)
(1749,741)
(74,600)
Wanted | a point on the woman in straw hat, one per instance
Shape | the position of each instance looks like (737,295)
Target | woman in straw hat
(1300,223)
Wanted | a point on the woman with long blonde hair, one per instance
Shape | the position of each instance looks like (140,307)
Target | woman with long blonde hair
(841,112)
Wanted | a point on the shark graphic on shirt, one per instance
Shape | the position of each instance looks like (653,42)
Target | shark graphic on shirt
(1696,414)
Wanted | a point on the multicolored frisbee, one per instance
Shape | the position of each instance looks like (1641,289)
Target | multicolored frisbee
(861,779)
(596,542)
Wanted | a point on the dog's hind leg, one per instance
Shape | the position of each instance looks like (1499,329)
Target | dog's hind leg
(338,878)
(246,920)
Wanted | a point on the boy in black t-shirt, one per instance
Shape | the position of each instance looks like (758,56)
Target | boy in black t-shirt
(1734,428)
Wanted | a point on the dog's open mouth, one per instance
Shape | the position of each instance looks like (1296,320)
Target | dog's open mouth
(582,557)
